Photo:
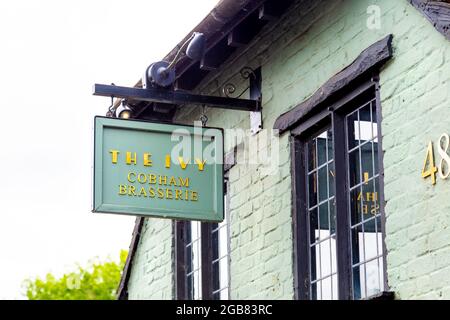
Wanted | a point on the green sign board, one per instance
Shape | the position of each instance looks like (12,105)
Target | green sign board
(158,170)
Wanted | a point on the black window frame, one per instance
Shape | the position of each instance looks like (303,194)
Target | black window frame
(332,114)
(181,229)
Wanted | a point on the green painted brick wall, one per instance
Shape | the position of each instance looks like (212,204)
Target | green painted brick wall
(152,271)
(315,40)
(415,97)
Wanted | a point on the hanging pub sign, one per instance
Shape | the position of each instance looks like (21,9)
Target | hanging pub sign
(158,170)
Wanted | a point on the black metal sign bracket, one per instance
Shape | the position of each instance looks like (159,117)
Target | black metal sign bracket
(170,96)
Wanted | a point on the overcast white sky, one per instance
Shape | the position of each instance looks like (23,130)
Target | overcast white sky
(51,53)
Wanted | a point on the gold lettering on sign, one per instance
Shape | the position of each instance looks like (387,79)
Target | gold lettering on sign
(200,164)
(131,158)
(129,177)
(142,178)
(163,180)
(183,164)
(114,155)
(142,192)
(173,182)
(147,160)
(168,187)
(131,191)
(122,190)
(183,183)
(161,193)
(167,161)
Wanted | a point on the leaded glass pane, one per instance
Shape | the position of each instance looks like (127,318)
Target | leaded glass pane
(321,215)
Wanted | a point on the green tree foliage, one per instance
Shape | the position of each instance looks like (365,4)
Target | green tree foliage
(98,281)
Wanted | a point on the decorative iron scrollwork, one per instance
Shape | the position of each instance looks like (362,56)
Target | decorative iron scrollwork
(229,89)
(246,72)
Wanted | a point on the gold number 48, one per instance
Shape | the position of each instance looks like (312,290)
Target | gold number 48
(429,169)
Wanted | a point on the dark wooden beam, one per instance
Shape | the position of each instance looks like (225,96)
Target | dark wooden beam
(216,55)
(272,10)
(246,30)
(168,96)
(437,12)
(191,77)
(240,32)
(266,13)
(210,62)
(238,38)
(373,57)
(157,112)
(212,26)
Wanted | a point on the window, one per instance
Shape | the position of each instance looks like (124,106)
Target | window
(338,200)
(363,190)
(193,253)
(202,259)
(220,260)
(322,216)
